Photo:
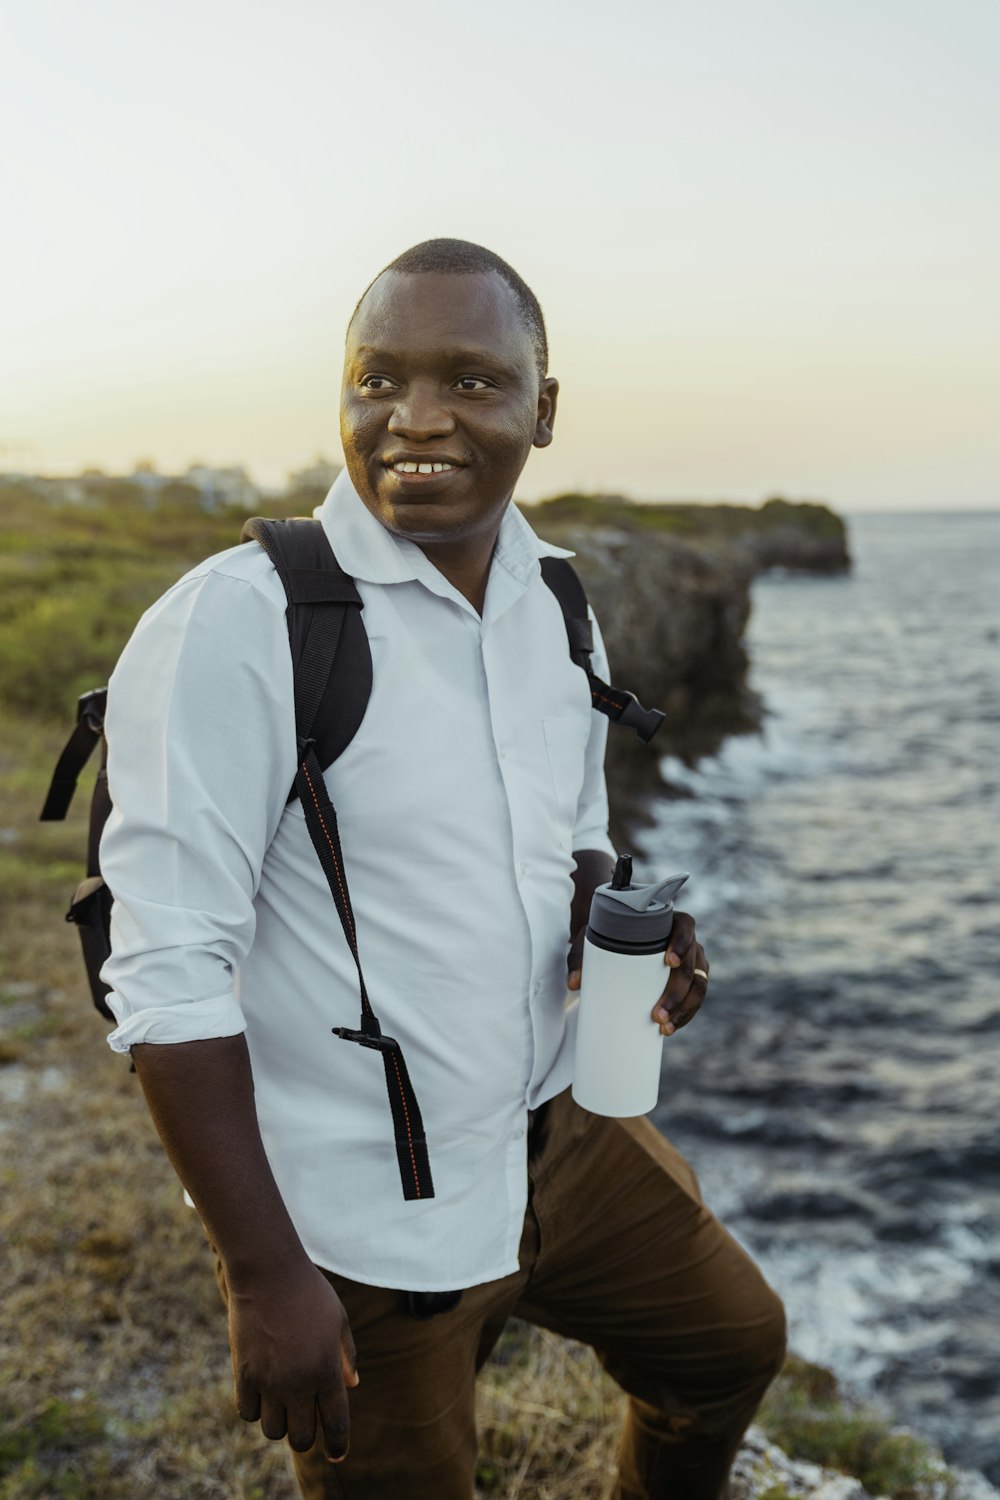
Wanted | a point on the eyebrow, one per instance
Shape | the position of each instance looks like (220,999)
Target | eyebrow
(455,356)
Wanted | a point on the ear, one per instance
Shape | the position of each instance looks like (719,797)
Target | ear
(548,394)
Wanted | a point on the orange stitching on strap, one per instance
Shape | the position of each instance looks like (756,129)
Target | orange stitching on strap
(333,851)
(603,697)
(395,1062)
(409,1133)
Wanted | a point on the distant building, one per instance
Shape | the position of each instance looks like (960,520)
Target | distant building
(219,487)
(318,476)
(53,489)
(146,479)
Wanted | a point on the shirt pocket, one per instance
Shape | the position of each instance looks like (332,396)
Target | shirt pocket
(565,745)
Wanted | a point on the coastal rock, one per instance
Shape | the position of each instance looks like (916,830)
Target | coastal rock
(968,1484)
(670,585)
(764,1470)
(673,613)
(760,1467)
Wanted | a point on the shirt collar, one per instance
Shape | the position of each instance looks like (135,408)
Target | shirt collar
(366,549)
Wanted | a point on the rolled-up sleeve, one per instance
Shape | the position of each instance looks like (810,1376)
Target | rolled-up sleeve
(201,753)
(590,830)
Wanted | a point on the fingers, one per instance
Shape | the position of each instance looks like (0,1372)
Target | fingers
(574,961)
(681,940)
(247,1399)
(273,1422)
(332,1404)
(684,1010)
(349,1355)
(301,1425)
(334,1422)
(295,1365)
(298,1421)
(685,990)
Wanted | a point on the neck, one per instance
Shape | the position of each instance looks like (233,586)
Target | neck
(465,564)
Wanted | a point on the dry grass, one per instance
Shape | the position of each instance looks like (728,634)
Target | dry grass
(549,1419)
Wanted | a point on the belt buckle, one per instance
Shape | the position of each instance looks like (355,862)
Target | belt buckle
(426,1305)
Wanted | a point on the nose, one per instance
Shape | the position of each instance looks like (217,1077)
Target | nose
(420,413)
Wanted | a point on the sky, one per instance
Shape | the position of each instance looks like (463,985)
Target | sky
(766,236)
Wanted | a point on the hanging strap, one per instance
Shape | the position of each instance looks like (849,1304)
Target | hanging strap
(331,593)
(411,1143)
(89,732)
(618,704)
(76,753)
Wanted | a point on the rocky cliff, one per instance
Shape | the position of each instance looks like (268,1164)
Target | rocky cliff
(670,585)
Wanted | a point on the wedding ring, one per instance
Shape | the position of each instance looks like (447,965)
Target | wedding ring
(700,974)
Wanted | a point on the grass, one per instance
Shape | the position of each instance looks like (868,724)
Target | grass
(548,1419)
(806,1414)
(74,578)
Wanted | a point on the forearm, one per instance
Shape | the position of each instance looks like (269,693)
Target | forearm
(201,1097)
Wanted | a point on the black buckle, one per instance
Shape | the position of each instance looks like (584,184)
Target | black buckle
(426,1305)
(645,721)
(376,1041)
(90,709)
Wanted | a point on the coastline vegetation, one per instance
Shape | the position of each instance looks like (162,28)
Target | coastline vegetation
(75,575)
(701,519)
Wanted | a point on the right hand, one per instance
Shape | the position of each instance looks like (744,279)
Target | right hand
(293,1359)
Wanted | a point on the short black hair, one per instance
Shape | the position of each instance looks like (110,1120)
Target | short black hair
(462,257)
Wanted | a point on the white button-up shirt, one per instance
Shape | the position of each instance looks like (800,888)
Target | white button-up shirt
(477,770)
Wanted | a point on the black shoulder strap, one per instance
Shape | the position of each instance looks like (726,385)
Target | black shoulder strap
(618,704)
(90,907)
(325,633)
(324,607)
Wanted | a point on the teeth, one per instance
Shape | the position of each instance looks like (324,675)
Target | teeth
(411,468)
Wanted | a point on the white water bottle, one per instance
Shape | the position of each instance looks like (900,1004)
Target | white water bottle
(619,1047)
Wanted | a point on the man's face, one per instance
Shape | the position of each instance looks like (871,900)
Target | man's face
(440,369)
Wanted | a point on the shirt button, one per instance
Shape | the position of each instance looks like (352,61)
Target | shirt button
(536,988)
(518,1135)
(522,868)
(502,753)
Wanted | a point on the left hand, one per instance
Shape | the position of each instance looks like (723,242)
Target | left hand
(684,990)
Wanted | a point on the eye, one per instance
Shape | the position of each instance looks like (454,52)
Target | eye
(473,383)
(375,383)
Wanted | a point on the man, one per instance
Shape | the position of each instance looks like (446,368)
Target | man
(473,817)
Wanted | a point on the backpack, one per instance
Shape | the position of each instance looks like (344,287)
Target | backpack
(332,675)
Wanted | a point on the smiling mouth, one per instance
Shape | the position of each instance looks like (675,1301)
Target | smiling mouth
(407,467)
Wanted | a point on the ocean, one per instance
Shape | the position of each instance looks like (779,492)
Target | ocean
(839,1094)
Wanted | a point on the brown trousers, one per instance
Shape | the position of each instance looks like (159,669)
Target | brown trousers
(619,1252)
